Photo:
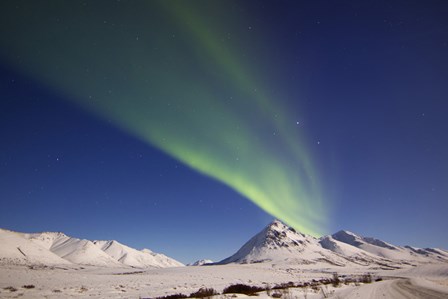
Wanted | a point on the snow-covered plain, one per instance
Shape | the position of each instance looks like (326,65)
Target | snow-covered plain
(59,266)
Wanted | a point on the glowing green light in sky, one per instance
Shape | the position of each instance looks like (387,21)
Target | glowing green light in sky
(169,74)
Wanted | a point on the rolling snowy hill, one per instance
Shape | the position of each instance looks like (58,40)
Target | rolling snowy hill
(136,258)
(382,249)
(50,248)
(16,249)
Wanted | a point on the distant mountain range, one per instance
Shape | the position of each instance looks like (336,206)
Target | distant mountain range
(279,242)
(51,248)
(275,243)
(201,263)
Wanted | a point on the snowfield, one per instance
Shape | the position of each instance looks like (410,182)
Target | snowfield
(100,282)
(53,265)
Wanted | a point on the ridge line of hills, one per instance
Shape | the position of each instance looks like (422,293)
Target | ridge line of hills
(277,242)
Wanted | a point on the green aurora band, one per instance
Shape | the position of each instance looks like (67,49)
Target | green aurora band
(168,74)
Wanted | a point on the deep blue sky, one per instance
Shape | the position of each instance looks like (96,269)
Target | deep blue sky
(370,78)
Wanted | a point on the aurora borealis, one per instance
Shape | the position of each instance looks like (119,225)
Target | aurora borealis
(181,120)
(183,89)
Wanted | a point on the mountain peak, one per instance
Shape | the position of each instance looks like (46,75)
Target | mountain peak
(347,237)
(280,226)
(346,232)
(276,223)
(278,235)
(275,241)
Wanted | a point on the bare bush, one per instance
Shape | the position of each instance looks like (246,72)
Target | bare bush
(175,296)
(11,289)
(335,281)
(204,292)
(242,289)
(366,278)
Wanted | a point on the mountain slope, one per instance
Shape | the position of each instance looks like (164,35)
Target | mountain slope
(136,258)
(352,253)
(278,242)
(382,249)
(51,248)
(16,249)
(77,251)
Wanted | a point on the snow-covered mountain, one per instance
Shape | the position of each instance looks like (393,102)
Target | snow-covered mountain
(136,258)
(406,254)
(201,262)
(16,249)
(278,242)
(351,253)
(50,248)
(76,251)
(275,243)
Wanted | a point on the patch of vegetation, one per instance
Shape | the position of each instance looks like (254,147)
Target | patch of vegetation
(175,296)
(366,278)
(242,289)
(11,289)
(204,292)
(335,281)
(281,290)
(284,285)
(28,286)
(57,291)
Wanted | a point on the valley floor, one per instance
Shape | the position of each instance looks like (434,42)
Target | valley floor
(430,281)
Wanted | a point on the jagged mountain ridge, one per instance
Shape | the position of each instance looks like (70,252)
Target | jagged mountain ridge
(51,248)
(278,242)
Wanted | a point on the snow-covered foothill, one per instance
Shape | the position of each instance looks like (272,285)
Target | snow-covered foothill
(55,248)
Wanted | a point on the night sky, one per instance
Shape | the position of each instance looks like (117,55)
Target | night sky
(187,126)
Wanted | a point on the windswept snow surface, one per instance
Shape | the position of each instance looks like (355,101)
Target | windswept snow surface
(50,248)
(102,282)
(397,289)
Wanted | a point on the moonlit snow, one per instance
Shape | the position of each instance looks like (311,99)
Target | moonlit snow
(54,265)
